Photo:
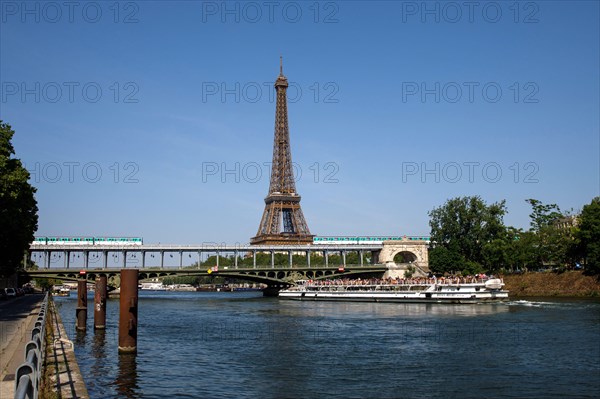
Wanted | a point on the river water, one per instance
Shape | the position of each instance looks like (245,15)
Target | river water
(235,345)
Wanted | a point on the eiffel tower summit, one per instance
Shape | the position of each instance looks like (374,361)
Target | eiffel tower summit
(282,222)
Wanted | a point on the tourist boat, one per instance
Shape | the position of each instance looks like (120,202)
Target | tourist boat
(61,290)
(427,291)
(152,286)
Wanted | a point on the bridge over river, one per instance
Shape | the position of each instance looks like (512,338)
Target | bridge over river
(66,261)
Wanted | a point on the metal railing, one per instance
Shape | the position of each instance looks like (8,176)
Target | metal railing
(29,374)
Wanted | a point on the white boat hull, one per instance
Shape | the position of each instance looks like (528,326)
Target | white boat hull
(467,293)
(323,296)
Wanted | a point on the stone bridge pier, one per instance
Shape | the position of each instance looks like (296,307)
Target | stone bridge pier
(399,256)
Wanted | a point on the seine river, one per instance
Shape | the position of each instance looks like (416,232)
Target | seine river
(232,345)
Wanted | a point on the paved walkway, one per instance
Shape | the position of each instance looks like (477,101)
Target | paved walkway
(17,319)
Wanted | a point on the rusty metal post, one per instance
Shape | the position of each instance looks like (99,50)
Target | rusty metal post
(100,303)
(81,311)
(128,311)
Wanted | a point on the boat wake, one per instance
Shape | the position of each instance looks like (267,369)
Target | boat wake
(547,304)
(535,304)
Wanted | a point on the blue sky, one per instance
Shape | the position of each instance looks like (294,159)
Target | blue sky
(155,118)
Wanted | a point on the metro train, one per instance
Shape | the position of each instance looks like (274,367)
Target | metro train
(127,241)
(364,240)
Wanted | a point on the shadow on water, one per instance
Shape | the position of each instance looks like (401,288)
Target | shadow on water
(80,338)
(127,377)
(98,352)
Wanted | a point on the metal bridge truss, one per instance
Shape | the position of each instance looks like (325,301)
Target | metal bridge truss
(47,258)
(273,277)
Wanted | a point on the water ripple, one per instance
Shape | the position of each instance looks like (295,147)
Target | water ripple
(223,345)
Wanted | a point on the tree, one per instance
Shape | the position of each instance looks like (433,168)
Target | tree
(520,253)
(496,254)
(551,243)
(460,229)
(18,207)
(589,235)
(542,215)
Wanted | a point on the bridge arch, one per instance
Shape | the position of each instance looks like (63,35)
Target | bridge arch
(405,257)
(416,252)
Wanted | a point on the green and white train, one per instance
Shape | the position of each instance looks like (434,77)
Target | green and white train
(75,241)
(366,240)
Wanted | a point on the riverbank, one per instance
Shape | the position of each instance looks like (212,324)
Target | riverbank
(62,377)
(546,284)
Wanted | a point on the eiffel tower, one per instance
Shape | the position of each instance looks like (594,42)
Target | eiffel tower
(282,221)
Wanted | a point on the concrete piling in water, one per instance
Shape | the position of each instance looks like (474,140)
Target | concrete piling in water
(128,311)
(81,311)
(100,303)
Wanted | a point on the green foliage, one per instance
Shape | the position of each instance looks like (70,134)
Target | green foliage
(551,245)
(469,236)
(471,268)
(46,284)
(542,215)
(520,251)
(588,236)
(460,229)
(445,260)
(496,254)
(18,207)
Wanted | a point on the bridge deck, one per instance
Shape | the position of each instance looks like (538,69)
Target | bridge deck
(206,248)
